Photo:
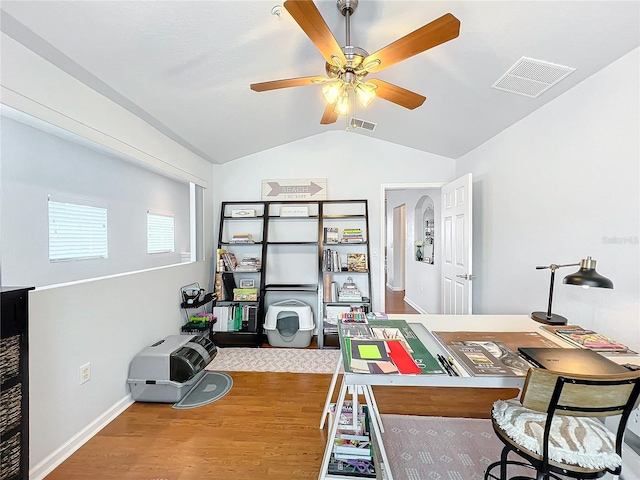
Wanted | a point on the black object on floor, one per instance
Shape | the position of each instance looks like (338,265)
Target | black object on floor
(211,387)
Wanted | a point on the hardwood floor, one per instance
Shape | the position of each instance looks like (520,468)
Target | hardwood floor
(266,427)
(394,302)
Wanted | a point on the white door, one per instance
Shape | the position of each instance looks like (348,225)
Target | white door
(457,221)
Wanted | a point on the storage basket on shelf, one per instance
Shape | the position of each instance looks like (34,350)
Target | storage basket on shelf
(289,323)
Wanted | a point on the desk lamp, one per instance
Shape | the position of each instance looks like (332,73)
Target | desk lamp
(585,277)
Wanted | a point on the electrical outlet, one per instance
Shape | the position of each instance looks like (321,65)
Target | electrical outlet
(85,373)
(422,287)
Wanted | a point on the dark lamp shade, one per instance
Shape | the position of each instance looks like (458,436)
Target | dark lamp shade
(587,276)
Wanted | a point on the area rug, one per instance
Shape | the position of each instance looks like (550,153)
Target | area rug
(287,360)
(211,387)
(439,448)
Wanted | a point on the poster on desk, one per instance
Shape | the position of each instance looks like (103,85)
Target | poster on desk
(500,349)
(399,330)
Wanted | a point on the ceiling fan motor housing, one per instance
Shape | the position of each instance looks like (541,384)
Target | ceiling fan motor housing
(355,57)
(347,6)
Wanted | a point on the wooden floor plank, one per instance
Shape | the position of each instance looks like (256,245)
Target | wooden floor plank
(266,427)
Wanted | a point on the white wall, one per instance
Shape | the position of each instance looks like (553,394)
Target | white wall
(422,280)
(562,184)
(36,164)
(355,167)
(104,321)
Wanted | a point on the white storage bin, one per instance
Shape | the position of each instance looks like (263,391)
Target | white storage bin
(289,324)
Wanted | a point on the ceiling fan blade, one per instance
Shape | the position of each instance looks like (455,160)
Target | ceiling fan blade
(289,82)
(398,95)
(432,34)
(306,14)
(329,116)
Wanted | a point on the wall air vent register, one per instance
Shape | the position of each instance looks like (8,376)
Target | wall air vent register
(359,123)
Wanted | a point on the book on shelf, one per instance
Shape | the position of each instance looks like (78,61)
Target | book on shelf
(357,262)
(235,318)
(359,468)
(331,260)
(230,261)
(352,235)
(345,418)
(219,260)
(334,291)
(326,287)
(358,463)
(502,348)
(590,339)
(222,315)
(357,446)
(245,294)
(242,238)
(331,235)
(228,284)
(249,318)
(218,287)
(248,264)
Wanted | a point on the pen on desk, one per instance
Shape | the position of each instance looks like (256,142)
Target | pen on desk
(442,364)
(454,366)
(446,366)
(453,370)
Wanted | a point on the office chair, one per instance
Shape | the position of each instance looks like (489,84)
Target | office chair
(552,427)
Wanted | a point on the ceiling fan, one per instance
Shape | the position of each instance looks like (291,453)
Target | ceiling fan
(348,66)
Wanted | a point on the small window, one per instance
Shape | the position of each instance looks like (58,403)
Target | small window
(77,231)
(160,233)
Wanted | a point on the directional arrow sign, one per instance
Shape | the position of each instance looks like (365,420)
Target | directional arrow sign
(309,189)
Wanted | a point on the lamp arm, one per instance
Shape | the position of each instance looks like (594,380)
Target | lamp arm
(554,267)
(553,277)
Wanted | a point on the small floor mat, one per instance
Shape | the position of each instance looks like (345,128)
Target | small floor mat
(211,387)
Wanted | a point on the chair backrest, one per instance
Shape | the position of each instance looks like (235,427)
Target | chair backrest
(581,395)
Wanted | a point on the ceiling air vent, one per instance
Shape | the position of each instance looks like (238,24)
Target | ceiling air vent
(531,77)
(358,123)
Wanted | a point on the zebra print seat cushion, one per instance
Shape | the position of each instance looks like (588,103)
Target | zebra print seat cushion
(574,440)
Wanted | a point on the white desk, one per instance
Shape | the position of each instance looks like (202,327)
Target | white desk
(362,382)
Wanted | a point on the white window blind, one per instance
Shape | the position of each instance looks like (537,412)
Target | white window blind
(160,233)
(77,231)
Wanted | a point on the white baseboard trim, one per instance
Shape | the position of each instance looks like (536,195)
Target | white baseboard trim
(46,466)
(423,312)
(394,289)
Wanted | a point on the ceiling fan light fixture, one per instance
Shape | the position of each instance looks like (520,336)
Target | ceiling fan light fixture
(365,92)
(342,105)
(331,91)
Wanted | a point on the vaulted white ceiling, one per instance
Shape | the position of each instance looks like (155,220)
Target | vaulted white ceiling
(186,66)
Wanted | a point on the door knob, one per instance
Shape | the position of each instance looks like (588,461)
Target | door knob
(466,276)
